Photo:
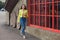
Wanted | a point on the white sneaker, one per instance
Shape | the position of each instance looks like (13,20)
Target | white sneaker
(24,36)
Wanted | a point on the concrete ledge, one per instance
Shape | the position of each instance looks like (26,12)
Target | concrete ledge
(43,34)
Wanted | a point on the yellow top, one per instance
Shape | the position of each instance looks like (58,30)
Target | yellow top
(21,12)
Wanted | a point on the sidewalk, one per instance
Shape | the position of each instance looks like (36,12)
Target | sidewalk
(10,33)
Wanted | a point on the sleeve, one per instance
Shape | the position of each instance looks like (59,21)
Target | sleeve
(18,18)
(27,13)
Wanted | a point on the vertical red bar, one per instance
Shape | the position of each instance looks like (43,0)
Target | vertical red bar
(49,14)
(39,13)
(29,11)
(42,14)
(53,14)
(34,13)
(45,12)
(57,14)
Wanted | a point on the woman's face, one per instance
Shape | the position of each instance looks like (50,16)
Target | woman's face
(23,6)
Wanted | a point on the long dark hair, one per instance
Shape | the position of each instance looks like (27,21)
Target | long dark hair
(24,6)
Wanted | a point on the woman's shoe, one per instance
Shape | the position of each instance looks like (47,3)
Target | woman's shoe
(24,36)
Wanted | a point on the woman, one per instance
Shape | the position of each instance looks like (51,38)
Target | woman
(22,17)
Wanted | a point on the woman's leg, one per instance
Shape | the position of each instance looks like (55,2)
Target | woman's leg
(23,25)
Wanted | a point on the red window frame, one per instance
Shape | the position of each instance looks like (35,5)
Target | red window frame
(44,14)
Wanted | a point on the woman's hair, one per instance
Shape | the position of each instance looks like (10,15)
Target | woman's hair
(24,6)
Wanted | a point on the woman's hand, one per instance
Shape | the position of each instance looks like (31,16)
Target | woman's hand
(18,25)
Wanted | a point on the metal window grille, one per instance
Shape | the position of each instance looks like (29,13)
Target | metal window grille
(44,14)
